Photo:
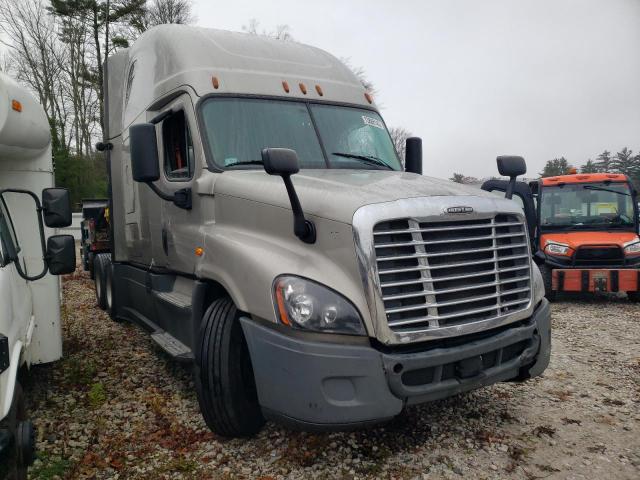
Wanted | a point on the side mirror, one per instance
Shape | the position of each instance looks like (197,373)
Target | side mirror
(284,162)
(413,155)
(61,254)
(145,165)
(280,161)
(511,166)
(56,206)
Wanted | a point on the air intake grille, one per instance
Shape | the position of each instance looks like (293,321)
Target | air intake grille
(451,273)
(598,256)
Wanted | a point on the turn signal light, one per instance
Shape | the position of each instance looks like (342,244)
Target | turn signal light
(16,105)
(368,96)
(199,251)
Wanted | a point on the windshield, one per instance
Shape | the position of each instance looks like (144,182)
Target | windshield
(586,205)
(323,136)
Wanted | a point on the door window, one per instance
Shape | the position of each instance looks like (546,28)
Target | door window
(179,156)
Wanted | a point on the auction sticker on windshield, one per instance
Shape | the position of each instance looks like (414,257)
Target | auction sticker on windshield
(374,122)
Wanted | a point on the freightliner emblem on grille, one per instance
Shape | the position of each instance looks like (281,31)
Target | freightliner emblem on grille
(459,210)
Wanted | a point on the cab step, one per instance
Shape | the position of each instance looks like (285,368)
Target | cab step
(172,346)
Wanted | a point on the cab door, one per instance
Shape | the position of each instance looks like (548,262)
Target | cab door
(175,236)
(524,196)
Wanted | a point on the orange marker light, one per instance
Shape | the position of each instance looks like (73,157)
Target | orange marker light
(16,105)
(303,89)
(285,86)
(319,90)
(368,96)
(199,251)
(284,318)
(215,82)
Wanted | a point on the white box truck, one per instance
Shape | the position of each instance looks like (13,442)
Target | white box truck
(264,230)
(29,292)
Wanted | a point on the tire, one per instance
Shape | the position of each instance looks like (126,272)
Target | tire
(547,273)
(224,376)
(634,296)
(11,467)
(109,292)
(91,266)
(101,263)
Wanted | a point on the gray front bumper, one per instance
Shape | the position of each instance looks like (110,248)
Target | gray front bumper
(328,385)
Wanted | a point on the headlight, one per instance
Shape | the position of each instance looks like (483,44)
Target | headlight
(633,249)
(538,285)
(308,305)
(556,249)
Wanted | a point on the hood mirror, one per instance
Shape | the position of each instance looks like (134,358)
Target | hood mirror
(413,155)
(511,166)
(284,162)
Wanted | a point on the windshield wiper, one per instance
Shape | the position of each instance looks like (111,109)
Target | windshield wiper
(602,189)
(247,162)
(365,158)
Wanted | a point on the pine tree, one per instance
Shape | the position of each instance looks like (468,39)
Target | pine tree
(603,162)
(557,166)
(589,167)
(623,162)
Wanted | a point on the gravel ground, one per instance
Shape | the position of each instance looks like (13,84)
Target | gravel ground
(117,407)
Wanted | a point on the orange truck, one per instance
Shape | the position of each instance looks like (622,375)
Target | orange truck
(584,230)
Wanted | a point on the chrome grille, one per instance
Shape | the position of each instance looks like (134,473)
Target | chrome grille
(450,273)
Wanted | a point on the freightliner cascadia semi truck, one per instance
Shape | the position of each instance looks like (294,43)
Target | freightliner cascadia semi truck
(264,230)
(29,293)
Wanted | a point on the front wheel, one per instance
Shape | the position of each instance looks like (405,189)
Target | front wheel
(224,376)
(547,273)
(17,458)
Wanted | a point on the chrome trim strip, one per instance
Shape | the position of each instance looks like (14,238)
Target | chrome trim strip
(420,210)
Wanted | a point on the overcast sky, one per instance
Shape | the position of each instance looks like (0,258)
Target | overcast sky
(475,79)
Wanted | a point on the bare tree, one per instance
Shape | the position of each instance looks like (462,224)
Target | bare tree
(160,12)
(361,74)
(34,51)
(399,137)
(281,32)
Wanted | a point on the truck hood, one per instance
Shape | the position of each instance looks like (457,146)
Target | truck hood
(578,239)
(337,194)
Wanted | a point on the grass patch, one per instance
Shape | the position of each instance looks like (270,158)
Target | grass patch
(80,373)
(97,395)
(50,467)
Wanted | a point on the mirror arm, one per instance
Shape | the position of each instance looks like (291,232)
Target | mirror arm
(161,116)
(304,229)
(510,187)
(40,228)
(181,198)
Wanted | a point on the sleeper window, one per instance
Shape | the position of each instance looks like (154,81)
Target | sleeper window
(178,147)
